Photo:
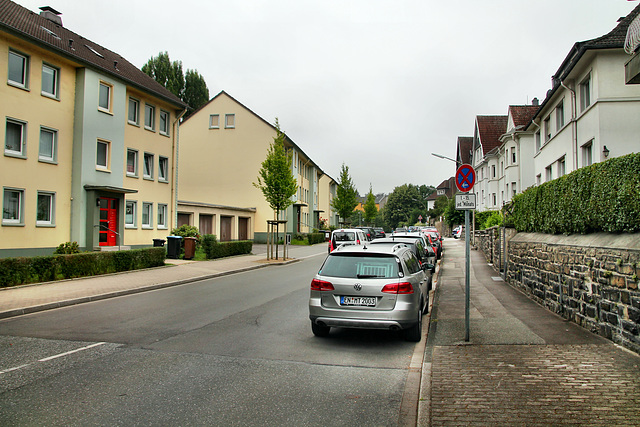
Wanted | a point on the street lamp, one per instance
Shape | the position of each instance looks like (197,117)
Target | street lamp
(446,158)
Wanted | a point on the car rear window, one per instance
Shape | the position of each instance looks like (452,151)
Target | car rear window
(360,267)
(344,236)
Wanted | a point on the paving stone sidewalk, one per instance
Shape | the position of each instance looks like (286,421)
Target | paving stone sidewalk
(523,365)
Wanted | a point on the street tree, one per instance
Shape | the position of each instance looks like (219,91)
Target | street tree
(346,195)
(275,177)
(190,87)
(402,205)
(370,208)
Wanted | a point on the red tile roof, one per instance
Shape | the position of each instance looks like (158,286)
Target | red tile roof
(490,128)
(464,148)
(39,30)
(522,114)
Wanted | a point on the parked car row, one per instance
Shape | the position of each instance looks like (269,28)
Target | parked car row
(374,282)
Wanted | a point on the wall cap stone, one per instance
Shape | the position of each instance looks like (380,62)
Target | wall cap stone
(594,240)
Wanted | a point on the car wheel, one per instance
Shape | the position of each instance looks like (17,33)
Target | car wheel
(414,333)
(320,330)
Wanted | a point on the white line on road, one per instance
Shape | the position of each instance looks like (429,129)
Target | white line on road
(46,359)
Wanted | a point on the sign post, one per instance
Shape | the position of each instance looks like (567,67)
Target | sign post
(465,179)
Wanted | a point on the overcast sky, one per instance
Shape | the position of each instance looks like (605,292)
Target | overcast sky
(376,84)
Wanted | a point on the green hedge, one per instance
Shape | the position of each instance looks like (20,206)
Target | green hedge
(23,270)
(601,197)
(214,249)
(315,238)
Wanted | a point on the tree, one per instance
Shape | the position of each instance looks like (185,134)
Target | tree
(346,195)
(452,215)
(404,205)
(275,177)
(370,208)
(189,87)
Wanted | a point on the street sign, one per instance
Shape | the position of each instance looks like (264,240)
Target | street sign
(465,201)
(465,178)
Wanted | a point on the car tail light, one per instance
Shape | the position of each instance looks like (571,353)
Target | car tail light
(398,288)
(321,285)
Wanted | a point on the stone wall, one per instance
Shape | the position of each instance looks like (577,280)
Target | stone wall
(591,280)
(490,241)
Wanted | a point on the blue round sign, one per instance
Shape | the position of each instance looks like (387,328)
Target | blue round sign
(465,178)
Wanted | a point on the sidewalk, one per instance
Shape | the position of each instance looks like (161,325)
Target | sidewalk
(32,298)
(523,364)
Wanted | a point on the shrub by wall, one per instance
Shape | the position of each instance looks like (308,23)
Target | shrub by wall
(600,197)
(214,249)
(23,270)
(315,238)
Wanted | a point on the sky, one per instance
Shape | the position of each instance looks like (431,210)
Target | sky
(377,85)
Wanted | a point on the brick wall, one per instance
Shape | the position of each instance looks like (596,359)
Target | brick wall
(591,280)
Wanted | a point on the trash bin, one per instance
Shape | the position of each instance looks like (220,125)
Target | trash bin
(173,246)
(158,243)
(189,247)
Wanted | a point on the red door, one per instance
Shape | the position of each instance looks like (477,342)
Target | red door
(108,221)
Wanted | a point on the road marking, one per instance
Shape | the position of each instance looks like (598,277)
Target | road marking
(46,359)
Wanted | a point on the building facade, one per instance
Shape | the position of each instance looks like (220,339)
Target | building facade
(70,133)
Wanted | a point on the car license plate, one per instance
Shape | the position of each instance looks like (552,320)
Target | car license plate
(358,301)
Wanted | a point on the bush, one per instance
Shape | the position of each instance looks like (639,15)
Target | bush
(68,248)
(315,238)
(187,231)
(214,249)
(600,197)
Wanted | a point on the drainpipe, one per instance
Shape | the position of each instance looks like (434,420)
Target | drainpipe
(574,125)
(176,150)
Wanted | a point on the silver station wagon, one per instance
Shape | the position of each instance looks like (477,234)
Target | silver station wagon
(370,287)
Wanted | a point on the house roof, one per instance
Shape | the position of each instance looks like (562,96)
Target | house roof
(489,130)
(464,149)
(37,29)
(522,114)
(289,140)
(612,40)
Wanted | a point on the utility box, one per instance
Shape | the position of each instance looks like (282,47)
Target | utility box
(189,247)
(173,246)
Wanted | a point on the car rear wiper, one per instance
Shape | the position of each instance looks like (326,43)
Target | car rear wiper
(368,276)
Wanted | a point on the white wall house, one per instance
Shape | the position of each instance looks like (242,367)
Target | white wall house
(486,161)
(590,114)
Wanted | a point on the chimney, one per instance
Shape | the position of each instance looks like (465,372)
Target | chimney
(535,102)
(51,14)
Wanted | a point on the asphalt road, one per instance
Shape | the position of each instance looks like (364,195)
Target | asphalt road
(236,350)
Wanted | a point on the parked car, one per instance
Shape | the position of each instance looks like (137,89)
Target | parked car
(379,287)
(346,236)
(369,232)
(458,232)
(419,234)
(380,233)
(435,242)
(426,256)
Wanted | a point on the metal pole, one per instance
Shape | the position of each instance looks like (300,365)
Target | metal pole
(467,287)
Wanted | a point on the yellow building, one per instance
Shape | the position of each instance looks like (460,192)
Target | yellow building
(221,149)
(88,141)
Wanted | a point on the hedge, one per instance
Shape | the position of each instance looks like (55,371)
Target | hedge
(23,270)
(601,197)
(214,249)
(315,238)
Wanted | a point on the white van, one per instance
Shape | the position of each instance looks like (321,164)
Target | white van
(346,236)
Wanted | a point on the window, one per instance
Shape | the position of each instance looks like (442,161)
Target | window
(130,216)
(547,130)
(164,123)
(15,138)
(548,173)
(162,216)
(513,155)
(559,116)
(18,70)
(12,206)
(147,173)
(539,179)
(230,121)
(214,121)
(538,141)
(134,111)
(44,215)
(50,81)
(102,155)
(163,168)
(561,167)
(495,201)
(513,189)
(149,117)
(493,171)
(48,145)
(585,93)
(132,162)
(587,154)
(147,215)
(104,97)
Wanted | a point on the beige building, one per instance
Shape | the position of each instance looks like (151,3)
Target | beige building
(221,149)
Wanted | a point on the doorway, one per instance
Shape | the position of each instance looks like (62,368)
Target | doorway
(108,222)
